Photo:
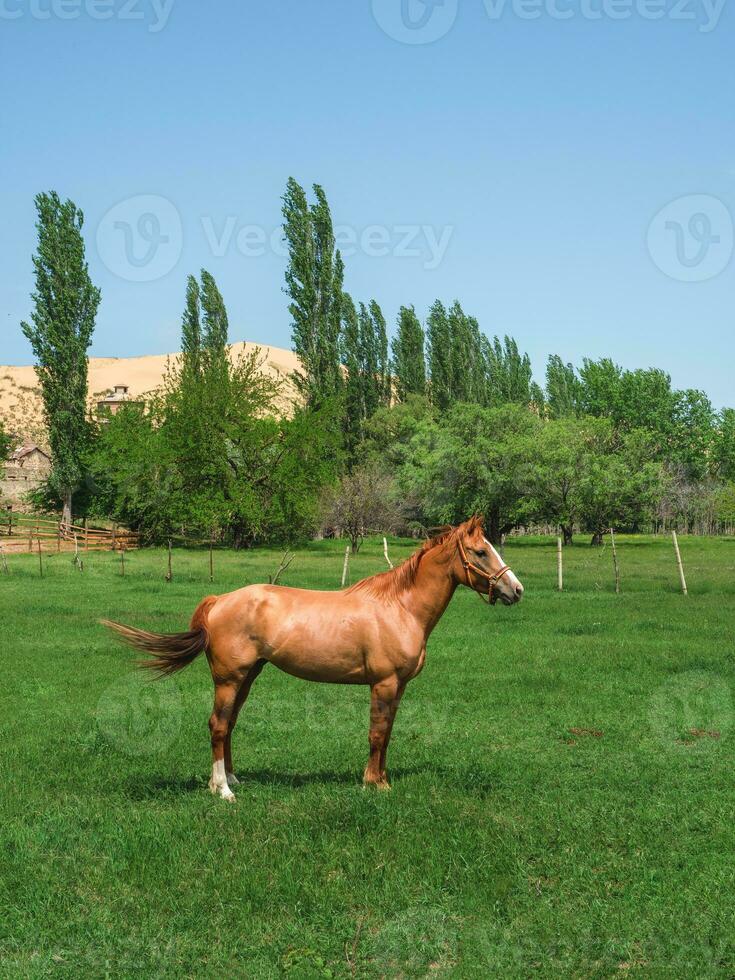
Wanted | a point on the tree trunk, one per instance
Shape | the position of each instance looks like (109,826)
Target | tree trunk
(66,510)
(567,533)
(493,529)
(596,538)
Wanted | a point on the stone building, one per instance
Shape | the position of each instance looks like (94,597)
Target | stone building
(26,469)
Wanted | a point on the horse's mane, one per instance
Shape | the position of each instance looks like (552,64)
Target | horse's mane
(396,580)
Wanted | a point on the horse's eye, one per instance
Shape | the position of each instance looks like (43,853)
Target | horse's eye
(482,553)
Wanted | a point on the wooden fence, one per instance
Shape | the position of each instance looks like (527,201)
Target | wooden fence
(26,532)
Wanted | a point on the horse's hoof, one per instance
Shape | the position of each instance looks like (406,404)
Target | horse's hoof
(224,791)
(232,779)
(372,784)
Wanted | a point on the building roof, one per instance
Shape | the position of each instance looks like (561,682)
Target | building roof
(19,454)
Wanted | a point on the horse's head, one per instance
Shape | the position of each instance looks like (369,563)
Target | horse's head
(481,567)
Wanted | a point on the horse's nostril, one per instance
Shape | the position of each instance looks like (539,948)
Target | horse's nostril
(519,590)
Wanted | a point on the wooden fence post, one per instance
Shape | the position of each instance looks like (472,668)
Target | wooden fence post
(40,558)
(346,565)
(559,568)
(122,561)
(169,573)
(385,553)
(211,559)
(615,562)
(678,562)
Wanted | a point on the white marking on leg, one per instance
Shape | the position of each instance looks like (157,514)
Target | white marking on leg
(218,782)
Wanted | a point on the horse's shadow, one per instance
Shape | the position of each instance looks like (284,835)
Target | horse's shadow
(147,786)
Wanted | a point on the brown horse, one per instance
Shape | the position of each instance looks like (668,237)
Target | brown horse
(374,633)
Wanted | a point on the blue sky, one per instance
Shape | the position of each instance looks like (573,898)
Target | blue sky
(521,161)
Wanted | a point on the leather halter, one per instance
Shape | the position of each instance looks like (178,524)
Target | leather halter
(492,580)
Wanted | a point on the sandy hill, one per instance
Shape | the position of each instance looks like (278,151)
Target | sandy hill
(20,398)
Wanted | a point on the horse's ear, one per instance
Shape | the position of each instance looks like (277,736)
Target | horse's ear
(475,522)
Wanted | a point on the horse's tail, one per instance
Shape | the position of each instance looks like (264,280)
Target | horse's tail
(169,652)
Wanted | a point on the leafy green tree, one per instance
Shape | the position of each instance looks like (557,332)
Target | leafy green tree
(214,453)
(354,410)
(372,384)
(409,363)
(136,477)
(215,326)
(622,482)
(724,445)
(600,394)
(314,281)
(558,463)
(65,307)
(563,389)
(692,433)
(510,374)
(6,444)
(380,332)
(439,353)
(467,372)
(191,331)
(472,460)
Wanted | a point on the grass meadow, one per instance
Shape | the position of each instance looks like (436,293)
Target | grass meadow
(563,795)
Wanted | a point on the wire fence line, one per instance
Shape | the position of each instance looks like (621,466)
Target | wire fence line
(30,538)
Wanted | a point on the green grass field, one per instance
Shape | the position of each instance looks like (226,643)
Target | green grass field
(563,795)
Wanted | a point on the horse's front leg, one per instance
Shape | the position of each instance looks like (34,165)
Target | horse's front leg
(384,699)
(384,751)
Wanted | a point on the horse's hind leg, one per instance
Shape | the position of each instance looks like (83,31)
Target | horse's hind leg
(225,695)
(240,699)
(384,698)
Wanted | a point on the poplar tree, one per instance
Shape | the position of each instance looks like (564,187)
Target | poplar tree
(65,307)
(215,329)
(369,362)
(409,363)
(439,346)
(510,374)
(563,388)
(380,332)
(314,280)
(466,356)
(191,331)
(354,413)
